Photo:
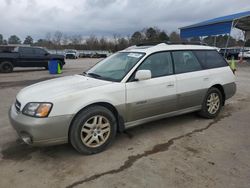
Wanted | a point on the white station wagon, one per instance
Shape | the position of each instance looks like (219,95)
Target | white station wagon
(134,86)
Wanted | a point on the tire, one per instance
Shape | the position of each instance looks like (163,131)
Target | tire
(93,130)
(212,104)
(6,67)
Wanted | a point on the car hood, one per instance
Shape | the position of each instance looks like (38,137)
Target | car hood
(48,91)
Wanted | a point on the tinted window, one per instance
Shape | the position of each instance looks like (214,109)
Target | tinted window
(28,51)
(160,64)
(39,51)
(185,61)
(210,59)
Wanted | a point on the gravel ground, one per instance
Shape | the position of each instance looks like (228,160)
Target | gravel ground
(183,151)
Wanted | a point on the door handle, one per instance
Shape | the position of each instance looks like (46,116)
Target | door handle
(205,79)
(170,85)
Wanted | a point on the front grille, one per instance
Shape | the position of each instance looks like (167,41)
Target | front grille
(18,106)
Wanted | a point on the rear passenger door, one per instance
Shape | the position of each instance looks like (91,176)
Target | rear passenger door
(155,96)
(192,81)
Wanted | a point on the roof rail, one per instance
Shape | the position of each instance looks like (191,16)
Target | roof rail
(153,43)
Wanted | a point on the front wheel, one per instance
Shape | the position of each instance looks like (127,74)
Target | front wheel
(93,130)
(212,104)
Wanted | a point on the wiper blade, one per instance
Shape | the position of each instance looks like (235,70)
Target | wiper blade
(94,75)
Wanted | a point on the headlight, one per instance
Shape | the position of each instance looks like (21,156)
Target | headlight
(37,109)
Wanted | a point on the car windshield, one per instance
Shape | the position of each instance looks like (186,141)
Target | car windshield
(115,67)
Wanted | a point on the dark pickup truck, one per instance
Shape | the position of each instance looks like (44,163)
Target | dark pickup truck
(23,56)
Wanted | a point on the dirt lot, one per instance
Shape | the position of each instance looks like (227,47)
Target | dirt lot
(184,151)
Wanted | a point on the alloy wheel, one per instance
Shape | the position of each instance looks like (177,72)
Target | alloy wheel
(213,103)
(95,131)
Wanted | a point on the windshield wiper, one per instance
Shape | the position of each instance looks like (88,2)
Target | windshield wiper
(94,75)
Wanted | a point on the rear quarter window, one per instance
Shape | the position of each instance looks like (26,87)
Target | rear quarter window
(210,59)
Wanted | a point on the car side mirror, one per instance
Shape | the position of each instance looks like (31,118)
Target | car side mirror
(143,75)
(46,54)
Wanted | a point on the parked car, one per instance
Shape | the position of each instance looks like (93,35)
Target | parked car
(230,52)
(24,56)
(85,55)
(98,55)
(71,54)
(245,55)
(134,86)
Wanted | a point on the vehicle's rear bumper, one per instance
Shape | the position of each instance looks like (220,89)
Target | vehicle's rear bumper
(41,131)
(229,89)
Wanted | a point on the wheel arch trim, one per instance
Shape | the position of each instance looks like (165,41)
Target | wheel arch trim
(109,106)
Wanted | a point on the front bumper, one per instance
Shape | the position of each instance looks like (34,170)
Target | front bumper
(40,131)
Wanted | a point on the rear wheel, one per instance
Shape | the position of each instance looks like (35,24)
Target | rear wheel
(212,103)
(93,130)
(6,67)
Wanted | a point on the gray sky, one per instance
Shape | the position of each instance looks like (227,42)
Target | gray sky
(106,17)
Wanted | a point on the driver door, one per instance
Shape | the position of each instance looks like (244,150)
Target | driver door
(155,96)
(41,58)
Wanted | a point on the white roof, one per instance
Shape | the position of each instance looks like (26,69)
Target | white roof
(166,47)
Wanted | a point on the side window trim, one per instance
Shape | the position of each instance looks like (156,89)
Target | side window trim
(186,50)
(130,79)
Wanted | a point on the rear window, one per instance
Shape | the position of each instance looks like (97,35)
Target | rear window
(210,59)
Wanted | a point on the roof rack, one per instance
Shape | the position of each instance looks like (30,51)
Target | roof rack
(153,43)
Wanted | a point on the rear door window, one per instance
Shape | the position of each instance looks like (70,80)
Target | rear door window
(210,59)
(26,51)
(185,61)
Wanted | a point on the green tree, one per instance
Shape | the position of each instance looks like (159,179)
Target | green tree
(14,40)
(163,36)
(136,37)
(1,39)
(28,40)
(151,34)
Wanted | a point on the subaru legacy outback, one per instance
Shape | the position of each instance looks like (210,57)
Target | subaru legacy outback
(134,86)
